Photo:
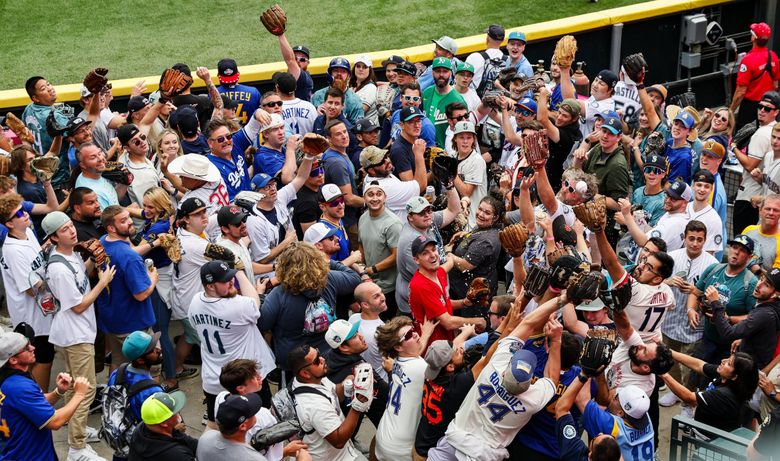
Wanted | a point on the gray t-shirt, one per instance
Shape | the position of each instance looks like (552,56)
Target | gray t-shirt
(212,445)
(405,262)
(379,236)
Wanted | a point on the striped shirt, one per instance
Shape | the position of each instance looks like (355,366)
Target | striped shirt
(675,323)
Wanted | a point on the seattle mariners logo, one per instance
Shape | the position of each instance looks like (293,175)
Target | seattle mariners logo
(569,431)
(718,239)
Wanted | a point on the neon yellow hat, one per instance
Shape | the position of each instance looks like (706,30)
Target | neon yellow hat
(159,407)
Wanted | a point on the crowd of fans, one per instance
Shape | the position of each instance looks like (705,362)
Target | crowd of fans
(361,255)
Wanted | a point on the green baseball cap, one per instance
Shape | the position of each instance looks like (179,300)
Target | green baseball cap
(463,66)
(442,62)
(159,407)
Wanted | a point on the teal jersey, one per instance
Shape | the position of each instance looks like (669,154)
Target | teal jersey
(635,444)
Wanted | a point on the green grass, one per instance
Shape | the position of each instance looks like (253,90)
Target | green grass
(63,39)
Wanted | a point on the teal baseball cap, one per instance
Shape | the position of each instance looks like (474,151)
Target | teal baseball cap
(442,62)
(516,35)
(139,343)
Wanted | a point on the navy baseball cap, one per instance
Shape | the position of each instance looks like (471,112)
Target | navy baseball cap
(704,176)
(496,32)
(658,161)
(608,77)
(216,271)
(679,190)
(773,277)
(746,242)
(408,113)
(686,119)
(261,180)
(419,244)
(191,205)
(365,125)
(407,67)
(613,124)
(227,71)
(301,49)
(394,59)
(339,63)
(236,409)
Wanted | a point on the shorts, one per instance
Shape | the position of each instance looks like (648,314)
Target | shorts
(190,335)
(44,350)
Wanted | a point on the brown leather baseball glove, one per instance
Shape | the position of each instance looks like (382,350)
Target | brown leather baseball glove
(274,19)
(593,213)
(513,239)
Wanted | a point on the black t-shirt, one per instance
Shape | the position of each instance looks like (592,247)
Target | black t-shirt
(768,441)
(304,87)
(402,156)
(559,151)
(307,209)
(718,406)
(88,230)
(481,248)
(441,399)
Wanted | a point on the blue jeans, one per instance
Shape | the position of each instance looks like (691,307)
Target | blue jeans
(163,317)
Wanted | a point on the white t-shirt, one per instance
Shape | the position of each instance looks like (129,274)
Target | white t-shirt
(186,276)
(397,192)
(670,228)
(19,258)
(264,235)
(299,115)
(476,60)
(760,143)
(371,355)
(647,308)
(771,170)
(675,324)
(240,249)
(227,329)
(145,176)
(591,108)
(398,426)
(323,416)
(619,373)
(711,220)
(472,99)
(472,170)
(264,419)
(627,99)
(69,328)
(490,415)
(367,96)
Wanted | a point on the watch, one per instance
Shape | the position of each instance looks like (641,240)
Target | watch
(773,395)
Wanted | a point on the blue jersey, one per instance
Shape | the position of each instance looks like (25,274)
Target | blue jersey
(341,233)
(635,444)
(24,413)
(234,173)
(132,376)
(680,162)
(247,97)
(571,445)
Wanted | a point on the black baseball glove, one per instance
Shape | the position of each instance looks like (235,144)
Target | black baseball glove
(635,67)
(597,351)
(584,286)
(536,281)
(445,169)
(617,298)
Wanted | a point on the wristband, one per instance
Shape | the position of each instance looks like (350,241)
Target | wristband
(551,238)
(57,391)
(373,269)
(773,395)
(640,86)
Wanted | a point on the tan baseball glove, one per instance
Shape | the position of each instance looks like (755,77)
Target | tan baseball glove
(92,249)
(513,238)
(479,292)
(314,144)
(565,50)
(593,213)
(535,147)
(172,247)
(274,19)
(19,128)
(172,83)
(44,167)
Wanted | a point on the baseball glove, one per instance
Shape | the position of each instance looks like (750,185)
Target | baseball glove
(743,135)
(565,50)
(562,270)
(618,297)
(384,100)
(92,249)
(364,387)
(216,252)
(263,439)
(597,351)
(5,165)
(513,238)
(593,213)
(274,20)
(249,155)
(479,292)
(536,147)
(491,99)
(172,247)
(117,172)
(44,167)
(656,144)
(314,144)
(444,170)
(431,152)
(584,286)
(247,200)
(19,128)
(635,67)
(536,281)
(558,253)
(96,80)
(172,83)
(53,127)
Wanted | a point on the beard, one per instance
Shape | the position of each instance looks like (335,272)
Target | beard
(127,233)
(232,293)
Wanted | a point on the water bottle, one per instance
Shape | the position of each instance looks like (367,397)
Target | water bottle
(429,194)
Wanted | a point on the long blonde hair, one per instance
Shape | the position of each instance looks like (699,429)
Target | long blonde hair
(707,128)
(301,267)
(161,201)
(164,132)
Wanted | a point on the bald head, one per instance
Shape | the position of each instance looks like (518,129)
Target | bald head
(370,297)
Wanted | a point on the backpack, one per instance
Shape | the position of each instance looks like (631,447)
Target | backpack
(721,267)
(118,422)
(317,317)
(283,404)
(491,71)
(44,299)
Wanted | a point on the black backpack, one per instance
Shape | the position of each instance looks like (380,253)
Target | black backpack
(491,72)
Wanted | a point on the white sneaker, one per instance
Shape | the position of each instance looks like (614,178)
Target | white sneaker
(687,411)
(668,399)
(93,435)
(85,454)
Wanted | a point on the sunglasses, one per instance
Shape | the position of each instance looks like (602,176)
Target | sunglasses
(411,98)
(523,112)
(409,335)
(653,170)
(316,172)
(19,214)
(722,118)
(569,187)
(139,140)
(303,59)
(459,118)
(493,314)
(273,104)
(222,139)
(316,361)
(381,162)
(337,202)
(765,108)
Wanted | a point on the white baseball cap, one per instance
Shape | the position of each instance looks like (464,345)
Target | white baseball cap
(318,232)
(340,332)
(635,403)
(276,120)
(11,344)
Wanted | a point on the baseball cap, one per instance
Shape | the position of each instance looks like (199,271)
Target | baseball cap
(743,240)
(373,185)
(190,206)
(613,124)
(635,404)
(528,104)
(318,232)
(276,120)
(372,155)
(464,66)
(329,193)
(713,148)
(495,31)
(437,357)
(231,214)
(704,176)
(186,120)
(302,49)
(227,71)
(563,232)
(591,306)
(285,81)
(679,190)
(658,161)
(686,119)
(447,43)
(773,277)
(135,104)
(410,112)
(249,195)
(53,221)
(126,132)
(236,409)
(160,406)
(216,271)
(417,204)
(365,125)
(608,77)
(139,343)
(338,63)
(407,67)
(521,371)
(761,29)
(393,59)
(75,123)
(26,330)
(340,332)
(572,106)
(658,88)
(261,180)
(228,103)
(772,97)
(419,244)
(365,60)
(445,63)
(85,93)
(181,67)
(464,126)
(11,343)
(516,35)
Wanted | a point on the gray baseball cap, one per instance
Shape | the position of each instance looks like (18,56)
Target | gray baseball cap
(438,356)
(53,221)
(10,345)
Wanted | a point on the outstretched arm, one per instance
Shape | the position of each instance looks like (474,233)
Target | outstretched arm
(289,57)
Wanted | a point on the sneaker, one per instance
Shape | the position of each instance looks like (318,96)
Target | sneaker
(167,388)
(668,399)
(205,419)
(85,454)
(687,411)
(93,435)
(663,388)
(187,373)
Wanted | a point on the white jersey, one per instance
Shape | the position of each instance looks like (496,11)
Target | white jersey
(711,220)
(145,176)
(227,329)
(240,249)
(592,107)
(647,308)
(19,259)
(670,228)
(490,415)
(398,427)
(619,373)
(760,144)
(264,419)
(473,170)
(69,328)
(397,192)
(263,234)
(626,98)
(186,273)
(472,99)
(371,355)
(299,116)
(216,196)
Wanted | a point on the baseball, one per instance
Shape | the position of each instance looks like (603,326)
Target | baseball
(581,187)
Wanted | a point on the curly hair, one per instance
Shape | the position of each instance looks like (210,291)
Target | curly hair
(8,204)
(161,201)
(575,175)
(387,336)
(301,267)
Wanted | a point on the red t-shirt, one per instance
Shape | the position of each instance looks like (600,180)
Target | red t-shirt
(428,301)
(751,67)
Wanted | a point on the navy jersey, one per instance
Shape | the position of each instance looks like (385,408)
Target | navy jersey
(247,97)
